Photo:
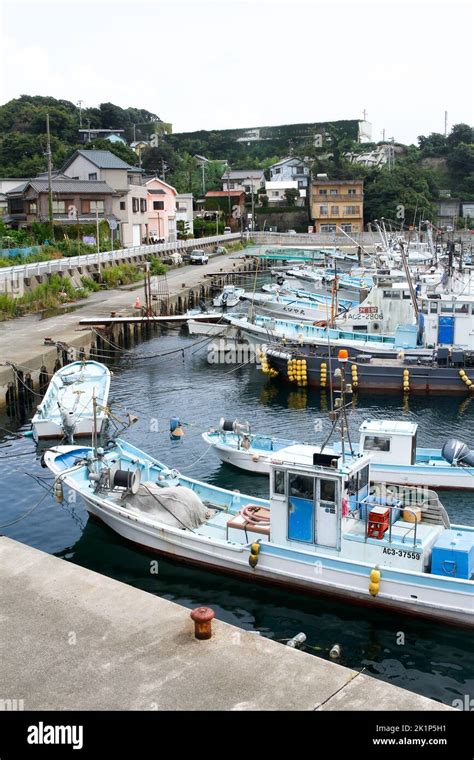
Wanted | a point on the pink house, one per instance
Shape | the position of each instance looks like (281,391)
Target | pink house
(161,201)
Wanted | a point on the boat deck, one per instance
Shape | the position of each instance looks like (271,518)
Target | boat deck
(402,535)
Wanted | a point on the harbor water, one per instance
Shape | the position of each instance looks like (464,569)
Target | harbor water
(429,658)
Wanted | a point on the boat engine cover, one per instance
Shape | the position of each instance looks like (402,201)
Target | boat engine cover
(457,453)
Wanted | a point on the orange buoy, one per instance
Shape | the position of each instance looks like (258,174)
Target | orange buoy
(137,303)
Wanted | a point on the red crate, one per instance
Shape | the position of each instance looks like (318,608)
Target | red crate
(379,520)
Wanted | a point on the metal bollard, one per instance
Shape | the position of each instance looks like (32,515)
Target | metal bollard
(202,617)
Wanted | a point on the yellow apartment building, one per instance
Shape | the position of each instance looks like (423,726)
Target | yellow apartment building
(337,205)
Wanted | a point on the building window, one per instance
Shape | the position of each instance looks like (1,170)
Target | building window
(328,228)
(135,205)
(352,191)
(74,177)
(180,208)
(323,210)
(158,205)
(278,171)
(301,183)
(334,210)
(122,205)
(32,207)
(93,176)
(333,192)
(351,210)
(142,205)
(231,185)
(59,207)
(275,193)
(346,227)
(90,207)
(323,192)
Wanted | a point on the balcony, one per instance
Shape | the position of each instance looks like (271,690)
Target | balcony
(316,198)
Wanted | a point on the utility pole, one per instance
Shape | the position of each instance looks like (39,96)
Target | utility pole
(253,210)
(98,239)
(383,134)
(163,170)
(79,103)
(445,123)
(203,180)
(227,174)
(50,177)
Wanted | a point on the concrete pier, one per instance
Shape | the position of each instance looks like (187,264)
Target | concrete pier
(76,640)
(22,339)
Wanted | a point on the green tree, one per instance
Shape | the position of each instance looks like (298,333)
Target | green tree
(291,194)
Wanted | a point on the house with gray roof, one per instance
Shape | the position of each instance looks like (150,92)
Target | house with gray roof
(243,179)
(73,201)
(130,201)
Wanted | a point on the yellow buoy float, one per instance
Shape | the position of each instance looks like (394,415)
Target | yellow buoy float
(374,585)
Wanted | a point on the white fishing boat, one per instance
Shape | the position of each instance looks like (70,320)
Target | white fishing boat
(213,329)
(229,297)
(322,530)
(67,409)
(313,309)
(395,455)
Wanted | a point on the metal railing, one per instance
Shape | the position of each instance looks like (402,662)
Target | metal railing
(90,259)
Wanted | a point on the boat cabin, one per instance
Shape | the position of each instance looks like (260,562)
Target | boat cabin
(391,442)
(447,320)
(309,493)
(324,501)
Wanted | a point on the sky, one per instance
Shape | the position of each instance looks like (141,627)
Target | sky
(225,64)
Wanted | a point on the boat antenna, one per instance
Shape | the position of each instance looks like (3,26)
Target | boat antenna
(94,429)
(408,274)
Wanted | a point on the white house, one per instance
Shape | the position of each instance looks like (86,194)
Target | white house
(130,198)
(275,192)
(184,211)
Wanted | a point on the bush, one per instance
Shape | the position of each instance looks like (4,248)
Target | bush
(89,284)
(157,267)
(122,274)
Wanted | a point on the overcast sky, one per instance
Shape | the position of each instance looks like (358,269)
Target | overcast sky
(204,65)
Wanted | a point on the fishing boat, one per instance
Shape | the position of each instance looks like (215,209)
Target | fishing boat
(313,309)
(67,409)
(392,443)
(229,297)
(323,530)
(443,371)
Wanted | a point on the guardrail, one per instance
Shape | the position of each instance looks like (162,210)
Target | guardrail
(93,259)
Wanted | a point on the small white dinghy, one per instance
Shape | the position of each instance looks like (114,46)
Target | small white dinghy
(67,409)
(229,297)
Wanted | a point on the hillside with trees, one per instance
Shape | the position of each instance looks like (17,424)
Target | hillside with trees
(415,181)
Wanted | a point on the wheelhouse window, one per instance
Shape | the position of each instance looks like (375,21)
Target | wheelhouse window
(363,477)
(301,486)
(279,482)
(377,443)
(327,490)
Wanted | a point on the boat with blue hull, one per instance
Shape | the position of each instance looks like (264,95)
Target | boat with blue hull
(67,409)
(395,456)
(322,530)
